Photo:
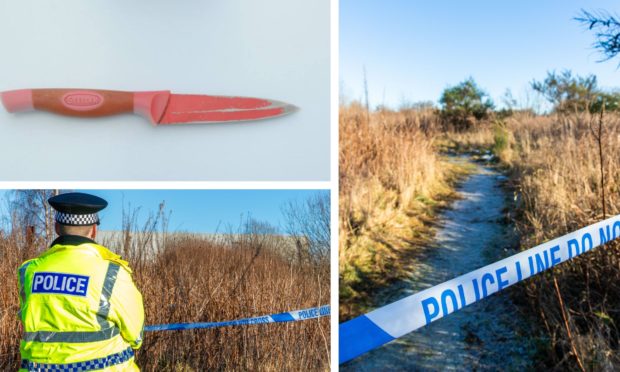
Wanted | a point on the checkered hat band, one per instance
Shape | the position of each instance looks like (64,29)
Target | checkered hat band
(77,219)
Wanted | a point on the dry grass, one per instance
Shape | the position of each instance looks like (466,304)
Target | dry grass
(391,177)
(192,279)
(555,162)
(555,166)
(391,183)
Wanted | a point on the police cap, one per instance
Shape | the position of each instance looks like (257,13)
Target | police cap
(77,209)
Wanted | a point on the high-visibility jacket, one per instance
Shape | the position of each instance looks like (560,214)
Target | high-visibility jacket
(80,309)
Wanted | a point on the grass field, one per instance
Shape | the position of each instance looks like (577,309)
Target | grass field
(392,182)
(556,166)
(393,176)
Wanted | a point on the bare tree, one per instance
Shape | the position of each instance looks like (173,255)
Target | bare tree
(598,136)
(143,240)
(309,224)
(31,212)
(366,97)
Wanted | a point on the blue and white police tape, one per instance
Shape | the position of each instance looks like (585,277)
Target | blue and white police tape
(290,316)
(369,331)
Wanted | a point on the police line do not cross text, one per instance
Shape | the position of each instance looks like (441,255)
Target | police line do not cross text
(384,324)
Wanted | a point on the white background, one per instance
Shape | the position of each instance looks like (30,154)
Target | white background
(277,49)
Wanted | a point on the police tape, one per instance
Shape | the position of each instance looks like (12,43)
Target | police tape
(387,323)
(290,316)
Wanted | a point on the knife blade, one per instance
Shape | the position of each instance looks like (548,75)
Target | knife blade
(160,107)
(185,108)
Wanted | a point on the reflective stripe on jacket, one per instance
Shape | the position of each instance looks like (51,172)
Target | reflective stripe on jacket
(80,309)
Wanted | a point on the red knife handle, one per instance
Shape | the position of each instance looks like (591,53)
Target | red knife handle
(87,102)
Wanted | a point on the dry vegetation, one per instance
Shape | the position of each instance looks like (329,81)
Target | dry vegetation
(391,183)
(197,279)
(554,164)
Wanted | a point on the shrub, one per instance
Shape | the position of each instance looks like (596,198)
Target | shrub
(464,104)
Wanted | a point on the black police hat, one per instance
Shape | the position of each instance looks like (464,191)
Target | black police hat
(77,209)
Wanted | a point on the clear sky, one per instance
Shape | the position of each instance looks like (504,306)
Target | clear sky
(413,50)
(199,210)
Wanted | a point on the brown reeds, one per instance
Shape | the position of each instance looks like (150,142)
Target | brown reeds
(391,182)
(195,278)
(563,184)
(566,172)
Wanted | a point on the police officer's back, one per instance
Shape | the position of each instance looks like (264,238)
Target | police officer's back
(79,306)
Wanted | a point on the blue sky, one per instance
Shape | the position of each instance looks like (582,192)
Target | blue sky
(413,50)
(199,210)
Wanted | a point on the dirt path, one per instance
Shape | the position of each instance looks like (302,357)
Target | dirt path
(488,335)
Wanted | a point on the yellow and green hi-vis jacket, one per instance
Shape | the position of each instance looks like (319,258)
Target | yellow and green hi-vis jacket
(80,309)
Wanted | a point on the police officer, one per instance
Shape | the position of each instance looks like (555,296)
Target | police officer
(79,306)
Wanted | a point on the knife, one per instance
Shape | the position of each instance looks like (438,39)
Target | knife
(160,107)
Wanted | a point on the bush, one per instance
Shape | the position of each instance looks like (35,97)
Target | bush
(464,104)
(570,93)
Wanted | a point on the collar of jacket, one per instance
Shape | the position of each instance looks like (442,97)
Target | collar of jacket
(75,240)
(72,240)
